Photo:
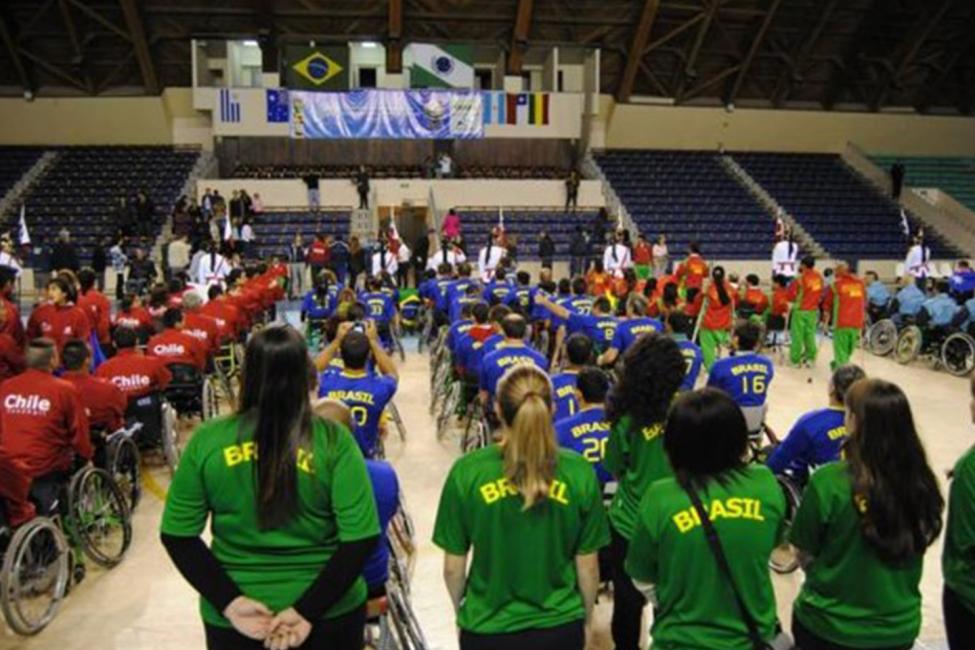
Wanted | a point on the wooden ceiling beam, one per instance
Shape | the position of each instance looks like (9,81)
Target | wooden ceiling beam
(394,38)
(640,37)
(746,63)
(138,36)
(519,36)
(10,44)
(800,56)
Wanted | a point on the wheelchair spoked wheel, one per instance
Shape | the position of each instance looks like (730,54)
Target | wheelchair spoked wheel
(909,344)
(123,465)
(100,517)
(958,354)
(882,337)
(785,558)
(209,400)
(398,421)
(170,444)
(34,576)
(404,620)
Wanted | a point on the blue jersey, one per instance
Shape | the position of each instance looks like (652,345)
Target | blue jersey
(468,354)
(457,288)
(694,358)
(495,364)
(878,294)
(317,307)
(457,306)
(523,298)
(441,300)
(564,391)
(497,292)
(633,328)
(586,433)
(910,299)
(745,377)
(815,439)
(366,396)
(385,490)
(428,290)
(379,306)
(599,329)
(455,330)
(942,309)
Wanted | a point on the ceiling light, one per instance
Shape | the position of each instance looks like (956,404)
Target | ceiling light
(251,43)
(369,44)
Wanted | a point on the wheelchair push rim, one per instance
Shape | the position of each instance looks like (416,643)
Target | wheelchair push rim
(958,354)
(785,558)
(100,518)
(909,344)
(882,337)
(35,576)
(170,446)
(124,467)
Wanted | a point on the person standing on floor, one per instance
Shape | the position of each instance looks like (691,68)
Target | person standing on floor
(300,510)
(958,559)
(896,180)
(538,594)
(805,293)
(846,303)
(546,249)
(572,191)
(361,181)
(661,256)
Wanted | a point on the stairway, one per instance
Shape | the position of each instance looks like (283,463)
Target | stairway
(10,204)
(614,205)
(772,207)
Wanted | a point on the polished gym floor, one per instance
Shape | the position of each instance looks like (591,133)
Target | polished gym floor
(145,604)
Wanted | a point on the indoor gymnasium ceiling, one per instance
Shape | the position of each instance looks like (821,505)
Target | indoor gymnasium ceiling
(856,54)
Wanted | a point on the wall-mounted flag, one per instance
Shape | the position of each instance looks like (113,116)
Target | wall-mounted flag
(316,68)
(525,109)
(440,66)
(228,105)
(277,105)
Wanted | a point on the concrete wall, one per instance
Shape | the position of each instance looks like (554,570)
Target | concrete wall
(293,193)
(667,127)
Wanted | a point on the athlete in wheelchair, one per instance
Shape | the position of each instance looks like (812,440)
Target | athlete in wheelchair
(814,440)
(887,321)
(928,335)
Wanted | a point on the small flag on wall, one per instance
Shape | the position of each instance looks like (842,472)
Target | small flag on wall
(277,105)
(521,109)
(229,106)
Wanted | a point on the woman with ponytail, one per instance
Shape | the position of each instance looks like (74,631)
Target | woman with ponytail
(718,305)
(533,514)
(863,528)
(290,507)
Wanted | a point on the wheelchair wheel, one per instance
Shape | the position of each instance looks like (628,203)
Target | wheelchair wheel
(398,420)
(958,354)
(123,465)
(99,516)
(170,446)
(909,344)
(209,402)
(34,576)
(882,337)
(784,558)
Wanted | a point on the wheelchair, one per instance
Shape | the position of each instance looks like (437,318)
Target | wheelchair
(118,454)
(784,559)
(943,346)
(193,393)
(397,419)
(156,421)
(881,331)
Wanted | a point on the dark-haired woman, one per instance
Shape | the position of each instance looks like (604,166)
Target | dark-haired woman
(293,518)
(653,369)
(863,527)
(532,517)
(958,561)
(718,303)
(670,557)
(58,318)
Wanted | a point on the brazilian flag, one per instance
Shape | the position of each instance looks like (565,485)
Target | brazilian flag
(315,68)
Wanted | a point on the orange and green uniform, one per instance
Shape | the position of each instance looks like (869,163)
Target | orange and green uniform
(716,321)
(846,301)
(757,299)
(692,272)
(806,292)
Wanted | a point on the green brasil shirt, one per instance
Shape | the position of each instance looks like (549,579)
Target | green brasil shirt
(696,607)
(217,479)
(522,574)
(850,597)
(958,561)
(636,457)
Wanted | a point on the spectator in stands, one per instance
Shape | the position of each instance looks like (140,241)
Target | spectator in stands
(678,544)
(64,254)
(863,527)
(546,249)
(661,256)
(445,165)
(361,181)
(539,593)
(123,216)
(178,256)
(598,230)
(257,205)
(145,212)
(896,180)
(314,198)
(572,190)
(578,252)
(99,261)
(119,261)
(318,547)
(248,239)
(235,206)
(653,370)
(451,225)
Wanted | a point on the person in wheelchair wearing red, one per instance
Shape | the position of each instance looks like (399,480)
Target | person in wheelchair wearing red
(11,352)
(132,372)
(200,326)
(58,318)
(229,319)
(15,505)
(43,426)
(104,402)
(174,346)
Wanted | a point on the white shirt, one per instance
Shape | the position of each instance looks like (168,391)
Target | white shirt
(247,233)
(208,273)
(178,254)
(443,255)
(8,260)
(915,262)
(486,264)
(391,264)
(621,261)
(403,255)
(784,260)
